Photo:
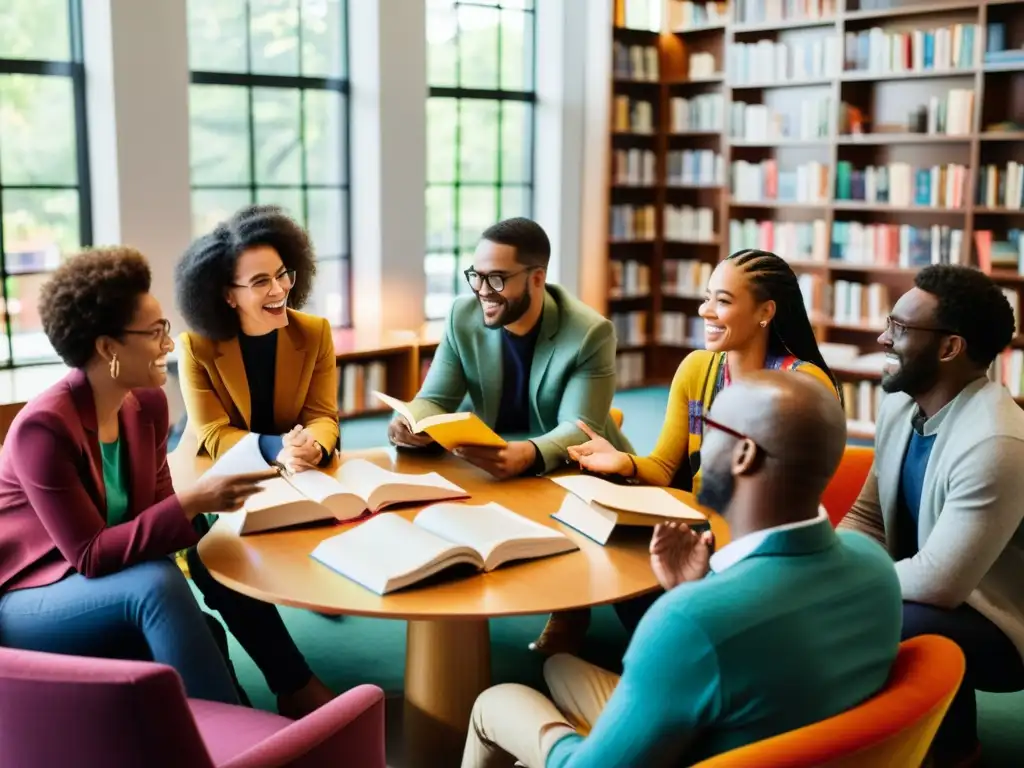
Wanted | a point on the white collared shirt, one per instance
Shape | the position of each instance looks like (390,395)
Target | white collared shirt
(743,547)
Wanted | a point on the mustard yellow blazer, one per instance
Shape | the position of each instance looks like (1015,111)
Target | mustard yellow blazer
(216,390)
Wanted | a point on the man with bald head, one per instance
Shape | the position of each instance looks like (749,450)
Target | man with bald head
(788,624)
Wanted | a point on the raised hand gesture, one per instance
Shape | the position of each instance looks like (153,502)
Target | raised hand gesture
(598,455)
(679,555)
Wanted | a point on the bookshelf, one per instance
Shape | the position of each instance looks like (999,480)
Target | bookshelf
(859,139)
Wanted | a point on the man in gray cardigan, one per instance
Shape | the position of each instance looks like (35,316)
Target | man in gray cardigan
(946,492)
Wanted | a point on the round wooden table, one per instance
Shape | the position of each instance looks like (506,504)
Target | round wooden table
(447,661)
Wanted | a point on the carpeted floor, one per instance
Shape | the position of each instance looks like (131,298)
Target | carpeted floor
(348,651)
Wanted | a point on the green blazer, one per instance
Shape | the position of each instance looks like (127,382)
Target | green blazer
(572,375)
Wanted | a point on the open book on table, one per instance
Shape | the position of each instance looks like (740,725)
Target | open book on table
(449,430)
(356,489)
(388,552)
(594,507)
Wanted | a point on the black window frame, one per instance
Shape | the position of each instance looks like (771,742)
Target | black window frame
(500,95)
(74,69)
(302,83)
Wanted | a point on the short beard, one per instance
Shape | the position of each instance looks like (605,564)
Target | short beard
(716,490)
(513,311)
(918,376)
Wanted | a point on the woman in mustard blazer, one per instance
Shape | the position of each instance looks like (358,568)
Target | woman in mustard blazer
(252,363)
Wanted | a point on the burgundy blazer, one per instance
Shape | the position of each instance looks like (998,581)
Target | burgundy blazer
(52,499)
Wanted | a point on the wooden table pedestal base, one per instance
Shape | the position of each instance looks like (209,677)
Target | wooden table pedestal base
(447,665)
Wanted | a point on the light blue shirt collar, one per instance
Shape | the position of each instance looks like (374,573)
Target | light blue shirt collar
(743,547)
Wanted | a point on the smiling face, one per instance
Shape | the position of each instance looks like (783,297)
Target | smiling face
(143,346)
(260,291)
(732,316)
(519,283)
(912,344)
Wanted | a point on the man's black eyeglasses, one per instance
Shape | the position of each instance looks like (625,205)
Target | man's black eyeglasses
(898,328)
(494,279)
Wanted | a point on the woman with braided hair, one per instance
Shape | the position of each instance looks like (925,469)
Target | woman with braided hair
(754,319)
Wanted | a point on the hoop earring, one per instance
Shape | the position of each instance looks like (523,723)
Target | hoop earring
(764,323)
(115,367)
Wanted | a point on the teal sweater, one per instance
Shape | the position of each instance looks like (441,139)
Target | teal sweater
(803,627)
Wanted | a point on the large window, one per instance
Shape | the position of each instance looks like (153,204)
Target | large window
(269,124)
(480,127)
(44,176)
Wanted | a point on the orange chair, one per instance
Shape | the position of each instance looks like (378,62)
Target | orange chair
(844,488)
(616,415)
(890,730)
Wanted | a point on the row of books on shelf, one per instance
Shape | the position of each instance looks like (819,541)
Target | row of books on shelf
(630,328)
(695,167)
(635,62)
(686,278)
(770,11)
(628,278)
(1001,186)
(687,223)
(634,167)
(758,122)
(757,182)
(896,245)
(996,51)
(356,384)
(702,66)
(632,115)
(684,14)
(852,303)
(948,115)
(632,222)
(629,369)
(1008,370)
(861,401)
(795,241)
(1000,253)
(954,46)
(642,14)
(704,112)
(767,61)
(901,184)
(678,329)
(682,223)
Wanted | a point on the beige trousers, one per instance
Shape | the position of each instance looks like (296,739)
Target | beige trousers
(513,724)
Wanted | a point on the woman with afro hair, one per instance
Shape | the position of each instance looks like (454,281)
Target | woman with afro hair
(89,520)
(251,363)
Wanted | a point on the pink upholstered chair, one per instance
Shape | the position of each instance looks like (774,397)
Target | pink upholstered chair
(101,713)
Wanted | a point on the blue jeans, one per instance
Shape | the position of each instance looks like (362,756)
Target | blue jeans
(105,617)
(993,664)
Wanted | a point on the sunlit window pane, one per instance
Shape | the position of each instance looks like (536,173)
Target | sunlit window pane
(270,120)
(480,123)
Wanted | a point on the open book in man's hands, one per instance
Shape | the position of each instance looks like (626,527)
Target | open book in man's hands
(449,430)
(388,552)
(357,488)
(594,507)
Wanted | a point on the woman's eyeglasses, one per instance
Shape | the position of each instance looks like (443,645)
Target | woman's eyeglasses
(265,284)
(161,332)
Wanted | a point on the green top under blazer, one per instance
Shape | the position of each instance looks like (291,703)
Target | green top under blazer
(572,376)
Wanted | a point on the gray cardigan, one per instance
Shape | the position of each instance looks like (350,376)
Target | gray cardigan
(969,527)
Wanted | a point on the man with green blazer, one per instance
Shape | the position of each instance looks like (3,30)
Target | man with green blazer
(533,359)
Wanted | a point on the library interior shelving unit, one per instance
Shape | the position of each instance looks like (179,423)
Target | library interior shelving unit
(858,139)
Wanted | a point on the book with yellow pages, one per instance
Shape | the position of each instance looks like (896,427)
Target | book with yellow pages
(388,552)
(449,430)
(356,489)
(595,507)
